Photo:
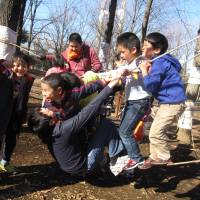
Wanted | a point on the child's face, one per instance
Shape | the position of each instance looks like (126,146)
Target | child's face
(49,93)
(19,69)
(127,54)
(149,51)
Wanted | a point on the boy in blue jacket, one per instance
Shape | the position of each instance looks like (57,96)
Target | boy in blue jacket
(163,81)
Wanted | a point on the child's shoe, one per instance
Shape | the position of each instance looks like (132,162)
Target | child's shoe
(150,162)
(161,162)
(7,168)
(117,165)
(131,164)
(146,164)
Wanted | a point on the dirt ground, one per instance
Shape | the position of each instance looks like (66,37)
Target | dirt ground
(39,177)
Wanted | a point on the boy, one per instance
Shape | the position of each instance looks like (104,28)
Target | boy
(22,83)
(162,79)
(137,99)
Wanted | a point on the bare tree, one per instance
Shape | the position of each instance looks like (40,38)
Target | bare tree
(32,8)
(106,41)
(64,20)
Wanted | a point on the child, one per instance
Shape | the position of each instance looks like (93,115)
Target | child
(67,142)
(6,92)
(137,99)
(22,82)
(162,79)
(58,63)
(56,92)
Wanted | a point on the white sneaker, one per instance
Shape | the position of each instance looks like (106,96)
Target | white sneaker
(117,166)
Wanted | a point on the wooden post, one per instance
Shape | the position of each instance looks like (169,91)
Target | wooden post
(118,103)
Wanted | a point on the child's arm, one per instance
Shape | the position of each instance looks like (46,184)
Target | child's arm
(145,67)
(21,109)
(153,76)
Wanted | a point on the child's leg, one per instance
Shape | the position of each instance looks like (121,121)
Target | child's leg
(10,142)
(158,140)
(106,135)
(134,111)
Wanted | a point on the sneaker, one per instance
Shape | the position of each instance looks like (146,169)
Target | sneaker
(146,164)
(161,162)
(117,165)
(150,162)
(131,164)
(7,168)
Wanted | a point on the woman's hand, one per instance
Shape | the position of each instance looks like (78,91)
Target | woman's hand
(116,77)
(46,112)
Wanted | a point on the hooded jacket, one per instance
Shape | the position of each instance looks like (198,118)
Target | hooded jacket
(164,81)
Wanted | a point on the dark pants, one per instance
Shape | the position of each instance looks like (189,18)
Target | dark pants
(6,97)
(11,138)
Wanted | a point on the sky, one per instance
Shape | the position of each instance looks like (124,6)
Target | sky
(189,10)
(184,14)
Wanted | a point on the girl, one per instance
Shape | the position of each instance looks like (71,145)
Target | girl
(66,138)
(63,92)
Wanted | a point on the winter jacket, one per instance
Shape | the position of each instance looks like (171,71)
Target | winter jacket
(67,147)
(6,93)
(88,61)
(164,81)
(69,105)
(20,102)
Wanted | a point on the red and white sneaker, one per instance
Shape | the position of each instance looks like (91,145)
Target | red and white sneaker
(131,164)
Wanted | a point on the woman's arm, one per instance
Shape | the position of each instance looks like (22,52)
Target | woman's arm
(74,124)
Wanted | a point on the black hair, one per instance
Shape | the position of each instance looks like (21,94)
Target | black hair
(129,40)
(58,61)
(71,78)
(55,80)
(75,37)
(157,40)
(22,58)
(40,124)
(117,56)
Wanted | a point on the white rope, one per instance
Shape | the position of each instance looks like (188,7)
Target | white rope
(5,42)
(15,45)
(175,48)
(192,57)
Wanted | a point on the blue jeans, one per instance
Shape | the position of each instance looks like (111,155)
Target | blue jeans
(106,135)
(133,112)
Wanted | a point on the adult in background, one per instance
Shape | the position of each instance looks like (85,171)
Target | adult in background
(80,57)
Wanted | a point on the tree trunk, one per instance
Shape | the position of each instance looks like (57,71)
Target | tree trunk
(109,29)
(105,45)
(146,19)
(11,14)
(20,21)
(197,51)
